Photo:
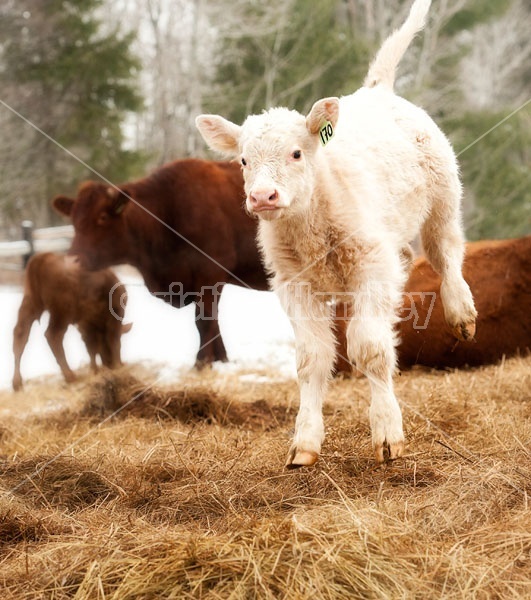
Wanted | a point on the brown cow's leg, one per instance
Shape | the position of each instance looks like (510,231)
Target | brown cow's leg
(91,344)
(27,314)
(211,346)
(110,350)
(55,334)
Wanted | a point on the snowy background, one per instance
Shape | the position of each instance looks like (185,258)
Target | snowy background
(254,328)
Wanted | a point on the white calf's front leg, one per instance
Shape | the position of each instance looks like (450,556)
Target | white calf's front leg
(315,347)
(371,346)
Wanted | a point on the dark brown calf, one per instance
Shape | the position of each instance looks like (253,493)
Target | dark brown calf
(94,301)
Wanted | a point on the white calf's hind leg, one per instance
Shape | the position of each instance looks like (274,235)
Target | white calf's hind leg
(315,347)
(443,243)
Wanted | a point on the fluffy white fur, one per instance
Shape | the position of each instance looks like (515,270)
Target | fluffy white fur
(337,219)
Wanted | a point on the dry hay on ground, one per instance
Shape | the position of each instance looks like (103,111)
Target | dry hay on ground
(135,491)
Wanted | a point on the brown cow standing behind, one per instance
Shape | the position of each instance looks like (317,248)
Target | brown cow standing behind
(71,295)
(185,230)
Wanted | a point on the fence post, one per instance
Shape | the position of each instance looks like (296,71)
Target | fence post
(27,235)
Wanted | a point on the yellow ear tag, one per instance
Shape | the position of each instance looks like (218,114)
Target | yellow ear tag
(326,133)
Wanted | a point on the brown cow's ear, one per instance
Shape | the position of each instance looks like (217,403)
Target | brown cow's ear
(118,198)
(63,205)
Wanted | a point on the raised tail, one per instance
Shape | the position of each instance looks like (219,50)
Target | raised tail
(382,70)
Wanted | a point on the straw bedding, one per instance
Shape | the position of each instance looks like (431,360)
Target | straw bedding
(120,488)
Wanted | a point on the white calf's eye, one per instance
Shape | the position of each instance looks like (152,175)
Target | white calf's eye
(296,154)
(244,162)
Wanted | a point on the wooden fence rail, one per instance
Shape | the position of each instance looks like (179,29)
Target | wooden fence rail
(48,239)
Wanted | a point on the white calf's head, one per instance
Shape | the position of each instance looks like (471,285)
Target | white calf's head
(277,150)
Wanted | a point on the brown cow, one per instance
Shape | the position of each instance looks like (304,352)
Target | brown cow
(499,275)
(94,301)
(183,227)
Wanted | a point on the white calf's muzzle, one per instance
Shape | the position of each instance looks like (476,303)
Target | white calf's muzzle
(263,199)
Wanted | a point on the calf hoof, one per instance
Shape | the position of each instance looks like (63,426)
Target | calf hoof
(70,377)
(465,332)
(301,458)
(386,452)
(17,385)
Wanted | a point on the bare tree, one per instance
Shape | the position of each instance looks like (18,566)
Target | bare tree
(497,70)
(173,41)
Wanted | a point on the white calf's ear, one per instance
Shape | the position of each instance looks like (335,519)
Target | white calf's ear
(326,109)
(219,134)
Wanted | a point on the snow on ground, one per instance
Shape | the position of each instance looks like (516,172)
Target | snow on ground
(256,333)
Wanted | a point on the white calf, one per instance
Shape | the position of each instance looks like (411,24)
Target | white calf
(340,194)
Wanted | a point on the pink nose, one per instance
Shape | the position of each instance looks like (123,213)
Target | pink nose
(264,199)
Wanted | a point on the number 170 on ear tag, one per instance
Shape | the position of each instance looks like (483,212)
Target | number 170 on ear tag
(326,132)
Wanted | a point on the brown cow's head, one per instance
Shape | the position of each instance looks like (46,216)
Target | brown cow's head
(97,216)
